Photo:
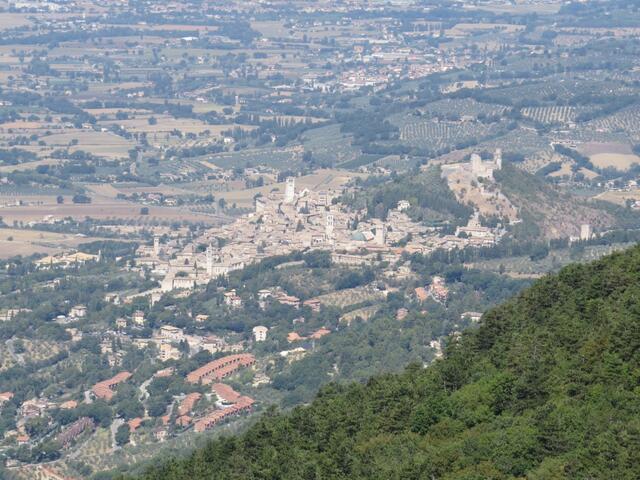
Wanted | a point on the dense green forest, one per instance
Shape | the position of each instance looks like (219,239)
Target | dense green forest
(546,388)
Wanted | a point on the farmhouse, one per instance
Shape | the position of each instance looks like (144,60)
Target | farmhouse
(138,317)
(167,352)
(169,332)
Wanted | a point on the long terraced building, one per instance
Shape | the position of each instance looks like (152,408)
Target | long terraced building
(220,368)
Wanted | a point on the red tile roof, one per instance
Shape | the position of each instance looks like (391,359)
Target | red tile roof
(186,406)
(421,294)
(105,388)
(220,368)
(165,372)
(242,405)
(183,420)
(294,337)
(68,405)
(225,392)
(134,424)
(321,332)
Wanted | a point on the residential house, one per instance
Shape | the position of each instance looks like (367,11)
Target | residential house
(138,318)
(169,332)
(260,333)
(78,311)
(166,352)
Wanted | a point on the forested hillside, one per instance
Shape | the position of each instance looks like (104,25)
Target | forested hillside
(546,388)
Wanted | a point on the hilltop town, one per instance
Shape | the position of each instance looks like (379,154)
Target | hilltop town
(289,221)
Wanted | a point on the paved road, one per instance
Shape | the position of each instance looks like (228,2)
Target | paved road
(114,428)
(144,394)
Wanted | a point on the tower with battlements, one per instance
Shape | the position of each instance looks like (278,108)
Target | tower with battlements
(476,164)
(329,225)
(381,234)
(209,257)
(290,190)
(497,158)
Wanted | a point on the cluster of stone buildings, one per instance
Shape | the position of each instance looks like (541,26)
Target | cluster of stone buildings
(67,260)
(296,220)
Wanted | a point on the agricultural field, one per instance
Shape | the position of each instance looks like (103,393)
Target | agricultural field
(15,241)
(96,447)
(163,124)
(523,141)
(436,135)
(555,114)
(467,107)
(269,156)
(521,267)
(330,146)
(620,197)
(351,296)
(467,29)
(6,358)
(103,144)
(619,161)
(38,350)
(604,155)
(100,208)
(364,313)
(13,20)
(40,472)
(626,120)
(98,452)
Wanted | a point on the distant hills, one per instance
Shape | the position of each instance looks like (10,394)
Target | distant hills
(546,388)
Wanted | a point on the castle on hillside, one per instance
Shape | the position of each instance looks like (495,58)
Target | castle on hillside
(476,167)
(484,169)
